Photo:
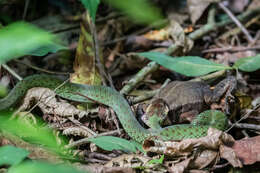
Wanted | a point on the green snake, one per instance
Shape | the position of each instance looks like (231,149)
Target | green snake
(113,99)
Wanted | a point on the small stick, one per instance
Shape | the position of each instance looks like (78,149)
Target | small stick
(27,2)
(97,56)
(244,117)
(247,126)
(41,69)
(236,21)
(231,49)
(5,66)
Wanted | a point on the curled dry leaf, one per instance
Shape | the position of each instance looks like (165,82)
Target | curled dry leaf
(201,161)
(48,103)
(179,37)
(158,35)
(229,154)
(180,167)
(205,158)
(198,153)
(248,150)
(212,141)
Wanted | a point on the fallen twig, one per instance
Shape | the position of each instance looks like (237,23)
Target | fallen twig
(236,21)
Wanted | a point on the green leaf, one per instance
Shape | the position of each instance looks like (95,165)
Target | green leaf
(157,161)
(186,65)
(43,167)
(248,64)
(138,146)
(19,39)
(139,10)
(110,143)
(10,155)
(91,6)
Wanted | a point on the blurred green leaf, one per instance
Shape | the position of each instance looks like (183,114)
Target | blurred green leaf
(141,11)
(10,155)
(91,6)
(43,167)
(248,64)
(3,91)
(31,133)
(186,65)
(110,143)
(19,39)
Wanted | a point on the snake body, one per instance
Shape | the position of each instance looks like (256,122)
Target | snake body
(113,99)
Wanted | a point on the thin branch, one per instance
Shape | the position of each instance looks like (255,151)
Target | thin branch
(236,21)
(27,2)
(41,69)
(231,49)
(247,126)
(243,117)
(97,56)
(17,76)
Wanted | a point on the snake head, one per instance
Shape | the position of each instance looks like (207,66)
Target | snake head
(155,113)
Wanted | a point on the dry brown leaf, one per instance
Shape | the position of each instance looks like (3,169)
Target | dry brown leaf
(180,167)
(86,71)
(158,35)
(139,42)
(254,5)
(48,103)
(192,153)
(204,159)
(212,141)
(179,38)
(200,161)
(229,154)
(197,7)
(248,150)
(237,6)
